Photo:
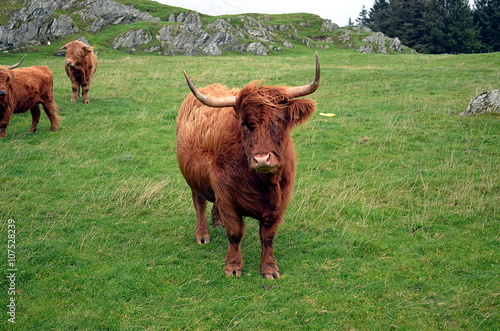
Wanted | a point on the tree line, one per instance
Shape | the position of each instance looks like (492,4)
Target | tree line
(437,26)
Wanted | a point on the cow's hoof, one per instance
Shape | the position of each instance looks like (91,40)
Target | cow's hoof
(218,225)
(271,275)
(203,240)
(232,270)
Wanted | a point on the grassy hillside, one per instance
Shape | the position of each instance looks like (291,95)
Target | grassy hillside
(394,222)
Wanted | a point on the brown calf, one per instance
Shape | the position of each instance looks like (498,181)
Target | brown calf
(241,158)
(25,89)
(80,66)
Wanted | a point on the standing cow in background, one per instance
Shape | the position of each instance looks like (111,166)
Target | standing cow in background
(81,64)
(241,158)
(25,89)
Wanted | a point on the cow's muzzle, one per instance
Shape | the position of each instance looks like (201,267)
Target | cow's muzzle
(70,64)
(264,163)
(3,92)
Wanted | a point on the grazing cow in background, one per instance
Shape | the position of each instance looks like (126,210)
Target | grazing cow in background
(80,65)
(25,89)
(241,157)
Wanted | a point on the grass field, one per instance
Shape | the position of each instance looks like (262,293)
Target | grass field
(394,222)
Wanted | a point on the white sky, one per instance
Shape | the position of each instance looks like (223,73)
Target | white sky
(338,11)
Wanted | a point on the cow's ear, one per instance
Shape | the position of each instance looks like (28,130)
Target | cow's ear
(87,49)
(300,110)
(65,46)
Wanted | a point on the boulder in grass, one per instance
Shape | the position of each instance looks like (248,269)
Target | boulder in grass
(487,102)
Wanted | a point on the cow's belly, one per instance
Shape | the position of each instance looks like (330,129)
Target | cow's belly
(196,171)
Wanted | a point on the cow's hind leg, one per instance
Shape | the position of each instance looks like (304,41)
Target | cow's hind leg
(50,109)
(268,265)
(35,118)
(216,218)
(202,235)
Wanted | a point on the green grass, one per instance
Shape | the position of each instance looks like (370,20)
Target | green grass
(394,222)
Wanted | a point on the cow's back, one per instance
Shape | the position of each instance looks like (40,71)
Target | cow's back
(203,134)
(32,85)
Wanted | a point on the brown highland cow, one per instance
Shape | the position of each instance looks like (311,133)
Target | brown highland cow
(26,89)
(234,149)
(80,66)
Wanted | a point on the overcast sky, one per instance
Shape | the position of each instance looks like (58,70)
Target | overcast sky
(338,11)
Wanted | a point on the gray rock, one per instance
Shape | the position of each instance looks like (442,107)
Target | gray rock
(376,38)
(61,26)
(329,26)
(395,44)
(104,12)
(487,102)
(257,48)
(132,39)
(366,49)
(186,39)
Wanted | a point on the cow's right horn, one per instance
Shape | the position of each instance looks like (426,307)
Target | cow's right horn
(211,102)
(14,66)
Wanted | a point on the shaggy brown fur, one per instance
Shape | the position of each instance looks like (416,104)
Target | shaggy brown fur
(80,66)
(25,89)
(220,153)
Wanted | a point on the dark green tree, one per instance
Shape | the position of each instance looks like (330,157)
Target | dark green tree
(379,15)
(487,22)
(461,35)
(428,26)
(362,20)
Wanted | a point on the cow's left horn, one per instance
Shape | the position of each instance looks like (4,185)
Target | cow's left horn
(211,102)
(14,66)
(300,91)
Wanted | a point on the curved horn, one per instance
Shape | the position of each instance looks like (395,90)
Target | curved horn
(300,91)
(211,102)
(14,66)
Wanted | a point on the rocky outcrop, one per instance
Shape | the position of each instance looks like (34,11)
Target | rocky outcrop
(191,37)
(372,42)
(487,102)
(41,21)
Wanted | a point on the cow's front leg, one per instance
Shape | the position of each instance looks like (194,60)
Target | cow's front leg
(200,204)
(75,90)
(4,122)
(85,92)
(234,231)
(268,265)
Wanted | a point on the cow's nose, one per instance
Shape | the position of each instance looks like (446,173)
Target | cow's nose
(3,92)
(69,63)
(262,159)
(265,163)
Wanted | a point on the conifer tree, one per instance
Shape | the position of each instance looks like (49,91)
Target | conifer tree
(487,22)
